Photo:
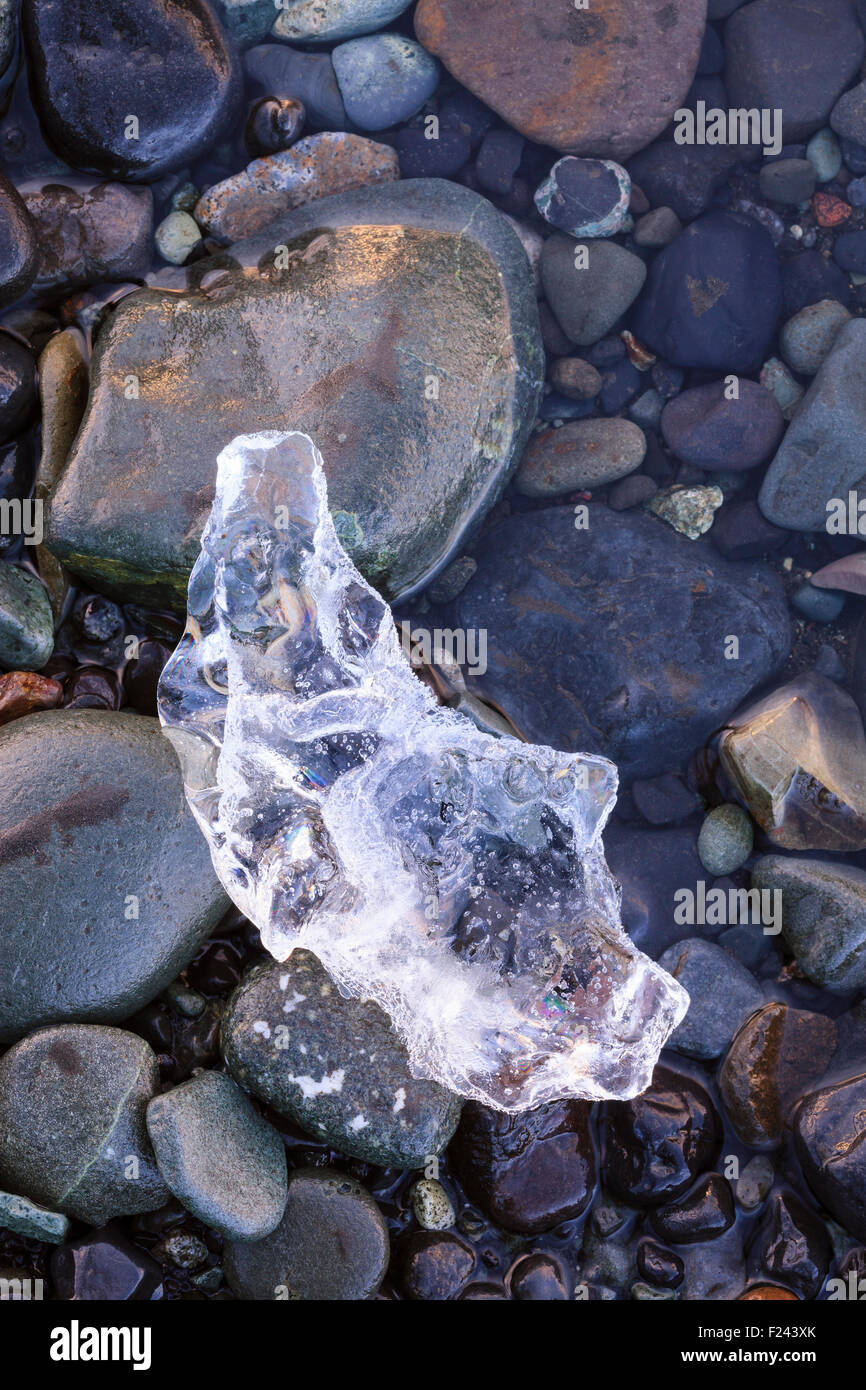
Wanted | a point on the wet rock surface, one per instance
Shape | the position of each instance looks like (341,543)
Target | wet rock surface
(181,97)
(334,1065)
(476,333)
(543,570)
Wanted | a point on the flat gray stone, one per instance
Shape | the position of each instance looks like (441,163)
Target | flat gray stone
(219,1157)
(106,884)
(331,1245)
(821,456)
(326,21)
(722,993)
(72,1122)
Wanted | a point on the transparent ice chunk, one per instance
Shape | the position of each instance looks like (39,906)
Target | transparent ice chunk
(455,877)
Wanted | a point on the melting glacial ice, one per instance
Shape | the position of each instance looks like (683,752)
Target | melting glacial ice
(456,878)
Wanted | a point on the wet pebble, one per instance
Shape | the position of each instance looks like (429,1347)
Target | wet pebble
(105,1267)
(725,840)
(531,1171)
(773,1060)
(658,1143)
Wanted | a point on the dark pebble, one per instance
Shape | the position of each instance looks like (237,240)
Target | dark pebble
(706,1211)
(790,1246)
(630,492)
(421,158)
(659,1266)
(531,1171)
(17,386)
(19,256)
(104,1266)
(658,1143)
(809,279)
(849,251)
(830,1137)
(273,124)
(498,160)
(713,297)
(92,687)
(87,73)
(538,1278)
(740,531)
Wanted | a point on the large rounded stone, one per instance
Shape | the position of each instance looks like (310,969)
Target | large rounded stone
(830,1136)
(347,320)
(795,55)
(97,65)
(821,456)
(713,297)
(19,256)
(602,80)
(331,1245)
(333,1064)
(628,622)
(72,1128)
(106,884)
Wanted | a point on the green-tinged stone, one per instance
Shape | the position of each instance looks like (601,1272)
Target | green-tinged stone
(224,1162)
(823,917)
(72,1122)
(797,759)
(26,620)
(29,1219)
(396,325)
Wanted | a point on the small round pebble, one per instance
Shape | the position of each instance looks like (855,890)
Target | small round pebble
(432,1205)
(725,840)
(176,236)
(818,605)
(575,378)
(807,337)
(825,155)
(755,1182)
(657,228)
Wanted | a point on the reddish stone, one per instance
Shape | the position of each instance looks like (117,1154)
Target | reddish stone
(528,1172)
(830,211)
(603,81)
(773,1061)
(22,692)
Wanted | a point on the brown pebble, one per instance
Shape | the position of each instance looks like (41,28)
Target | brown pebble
(575,378)
(774,1060)
(23,692)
